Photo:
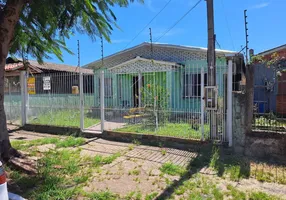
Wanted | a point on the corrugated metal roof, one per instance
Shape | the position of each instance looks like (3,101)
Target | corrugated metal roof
(48,66)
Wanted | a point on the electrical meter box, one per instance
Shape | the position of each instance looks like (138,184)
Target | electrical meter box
(211,94)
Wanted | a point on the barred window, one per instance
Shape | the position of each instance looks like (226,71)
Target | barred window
(108,90)
(192,84)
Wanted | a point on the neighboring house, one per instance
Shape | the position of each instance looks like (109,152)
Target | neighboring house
(174,67)
(63,77)
(269,87)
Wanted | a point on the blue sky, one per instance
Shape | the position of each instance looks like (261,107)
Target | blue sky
(266,26)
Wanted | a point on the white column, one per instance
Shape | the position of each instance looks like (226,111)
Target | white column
(202,102)
(81,101)
(229,103)
(102,100)
(139,90)
(24,95)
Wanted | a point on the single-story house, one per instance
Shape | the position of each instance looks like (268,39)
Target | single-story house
(62,77)
(175,68)
(270,87)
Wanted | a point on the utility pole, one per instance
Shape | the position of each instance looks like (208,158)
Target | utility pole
(211,60)
(246,36)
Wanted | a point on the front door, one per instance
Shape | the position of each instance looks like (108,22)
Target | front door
(136,89)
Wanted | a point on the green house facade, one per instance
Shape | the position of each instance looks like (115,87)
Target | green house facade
(136,76)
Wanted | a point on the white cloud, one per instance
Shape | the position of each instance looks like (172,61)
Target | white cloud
(261,5)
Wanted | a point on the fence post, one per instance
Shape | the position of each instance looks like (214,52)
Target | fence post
(229,103)
(139,91)
(81,101)
(23,83)
(202,102)
(102,100)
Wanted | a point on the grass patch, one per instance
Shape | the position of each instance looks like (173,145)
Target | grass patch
(65,142)
(172,169)
(63,118)
(103,195)
(261,196)
(235,194)
(100,160)
(134,196)
(70,142)
(181,130)
(151,196)
(134,172)
(61,172)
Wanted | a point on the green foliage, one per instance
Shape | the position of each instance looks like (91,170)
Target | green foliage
(155,98)
(151,196)
(103,195)
(261,196)
(276,62)
(44,25)
(235,193)
(214,163)
(172,169)
(99,160)
(65,142)
(70,142)
(134,172)
(134,196)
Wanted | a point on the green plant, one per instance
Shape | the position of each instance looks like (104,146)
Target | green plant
(172,169)
(215,158)
(235,193)
(151,196)
(261,196)
(134,172)
(156,99)
(163,152)
(103,195)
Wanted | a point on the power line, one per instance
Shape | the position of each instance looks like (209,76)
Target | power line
(148,23)
(227,24)
(178,20)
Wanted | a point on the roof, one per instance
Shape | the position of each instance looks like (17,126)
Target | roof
(138,58)
(181,47)
(273,50)
(20,66)
(46,66)
(59,67)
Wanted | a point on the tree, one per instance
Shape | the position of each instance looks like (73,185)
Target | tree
(39,28)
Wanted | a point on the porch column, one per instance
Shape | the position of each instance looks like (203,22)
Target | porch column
(139,86)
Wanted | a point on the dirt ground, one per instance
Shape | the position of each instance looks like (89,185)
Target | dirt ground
(138,168)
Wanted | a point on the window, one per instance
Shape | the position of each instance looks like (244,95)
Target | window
(108,91)
(192,85)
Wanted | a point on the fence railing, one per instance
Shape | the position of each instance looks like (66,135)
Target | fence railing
(166,101)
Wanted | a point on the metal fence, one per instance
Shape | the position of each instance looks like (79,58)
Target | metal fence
(162,102)
(159,100)
(12,100)
(269,99)
(53,99)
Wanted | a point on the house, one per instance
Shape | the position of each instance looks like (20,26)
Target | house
(270,87)
(62,77)
(175,70)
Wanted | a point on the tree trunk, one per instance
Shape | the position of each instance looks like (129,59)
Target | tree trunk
(9,18)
